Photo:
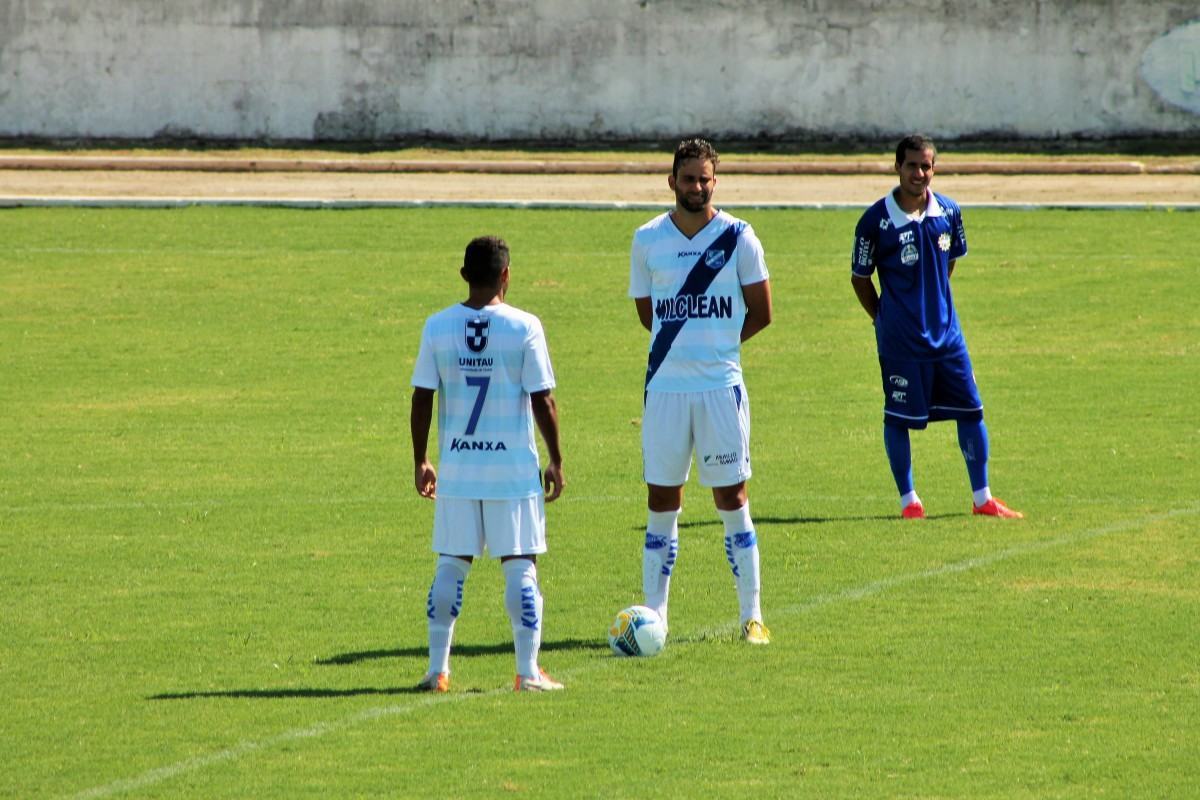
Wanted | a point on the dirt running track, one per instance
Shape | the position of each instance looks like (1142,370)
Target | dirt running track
(1180,189)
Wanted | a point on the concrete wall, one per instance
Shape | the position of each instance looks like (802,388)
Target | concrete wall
(586,70)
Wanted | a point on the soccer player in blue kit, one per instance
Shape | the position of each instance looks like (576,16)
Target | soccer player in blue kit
(699,283)
(489,365)
(912,239)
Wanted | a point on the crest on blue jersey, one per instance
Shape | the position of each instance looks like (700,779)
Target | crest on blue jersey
(715,258)
(477,334)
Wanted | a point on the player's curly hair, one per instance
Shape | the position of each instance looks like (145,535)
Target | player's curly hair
(485,259)
(694,148)
(914,141)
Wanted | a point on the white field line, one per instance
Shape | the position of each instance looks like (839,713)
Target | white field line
(321,729)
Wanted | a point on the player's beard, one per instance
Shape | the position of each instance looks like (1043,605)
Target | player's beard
(695,203)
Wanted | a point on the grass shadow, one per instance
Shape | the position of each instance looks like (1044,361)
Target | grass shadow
(460,651)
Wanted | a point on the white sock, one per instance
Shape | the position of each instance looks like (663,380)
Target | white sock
(523,601)
(741,548)
(983,495)
(443,607)
(658,558)
(908,499)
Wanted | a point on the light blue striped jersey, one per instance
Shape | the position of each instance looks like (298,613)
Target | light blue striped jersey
(484,364)
(695,289)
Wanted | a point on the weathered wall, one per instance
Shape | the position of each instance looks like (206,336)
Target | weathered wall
(582,70)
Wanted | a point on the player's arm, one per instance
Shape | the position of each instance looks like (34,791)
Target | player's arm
(645,312)
(864,288)
(419,421)
(759,311)
(545,414)
(950,267)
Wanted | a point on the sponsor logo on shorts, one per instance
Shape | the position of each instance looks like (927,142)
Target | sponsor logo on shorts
(457,445)
(724,459)
(898,380)
(899,397)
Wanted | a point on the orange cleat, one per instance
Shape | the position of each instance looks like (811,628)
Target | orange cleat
(915,510)
(435,682)
(995,508)
(541,683)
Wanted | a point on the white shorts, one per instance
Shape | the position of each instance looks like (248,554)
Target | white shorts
(463,527)
(716,424)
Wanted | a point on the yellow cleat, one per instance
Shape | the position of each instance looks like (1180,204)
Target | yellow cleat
(754,632)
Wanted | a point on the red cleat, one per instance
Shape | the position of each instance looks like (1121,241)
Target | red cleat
(914,510)
(995,508)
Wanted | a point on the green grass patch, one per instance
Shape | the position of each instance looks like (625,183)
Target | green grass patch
(215,567)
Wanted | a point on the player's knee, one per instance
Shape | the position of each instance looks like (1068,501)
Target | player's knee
(730,498)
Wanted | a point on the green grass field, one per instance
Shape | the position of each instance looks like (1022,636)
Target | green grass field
(215,567)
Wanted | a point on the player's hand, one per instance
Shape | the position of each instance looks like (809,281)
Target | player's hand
(553,482)
(426,480)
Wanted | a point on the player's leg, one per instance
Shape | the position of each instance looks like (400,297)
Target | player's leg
(723,455)
(516,532)
(666,456)
(661,546)
(956,396)
(898,446)
(905,407)
(458,530)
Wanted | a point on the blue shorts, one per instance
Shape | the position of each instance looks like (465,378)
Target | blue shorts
(916,393)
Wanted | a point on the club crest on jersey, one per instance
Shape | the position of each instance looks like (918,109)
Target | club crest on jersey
(477,334)
(908,255)
(944,242)
(715,258)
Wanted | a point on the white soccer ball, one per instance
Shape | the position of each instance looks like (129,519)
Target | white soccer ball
(637,631)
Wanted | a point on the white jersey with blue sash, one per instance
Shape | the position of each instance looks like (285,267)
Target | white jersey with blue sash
(484,364)
(695,289)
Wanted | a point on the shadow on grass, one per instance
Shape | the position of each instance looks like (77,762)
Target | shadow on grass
(282,694)
(460,650)
(368,655)
(715,522)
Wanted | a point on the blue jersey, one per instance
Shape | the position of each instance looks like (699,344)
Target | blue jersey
(916,319)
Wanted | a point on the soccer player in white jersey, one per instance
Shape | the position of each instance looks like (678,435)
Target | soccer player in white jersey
(912,239)
(699,282)
(489,366)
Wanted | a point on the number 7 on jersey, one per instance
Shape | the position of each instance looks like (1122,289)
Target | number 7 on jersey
(481,384)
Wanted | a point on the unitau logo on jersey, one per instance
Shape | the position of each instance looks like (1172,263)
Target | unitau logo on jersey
(477,334)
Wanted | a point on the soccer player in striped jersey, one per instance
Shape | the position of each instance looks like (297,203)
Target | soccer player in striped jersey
(699,282)
(912,239)
(490,368)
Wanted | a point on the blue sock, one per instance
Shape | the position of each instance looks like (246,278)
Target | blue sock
(899,453)
(973,441)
